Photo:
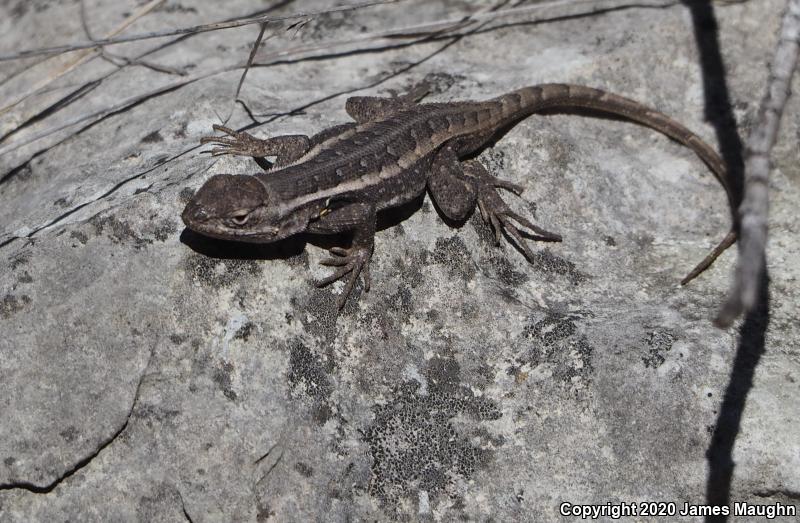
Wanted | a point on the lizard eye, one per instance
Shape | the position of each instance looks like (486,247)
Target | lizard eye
(240,218)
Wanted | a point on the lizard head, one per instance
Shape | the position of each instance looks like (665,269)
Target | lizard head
(236,207)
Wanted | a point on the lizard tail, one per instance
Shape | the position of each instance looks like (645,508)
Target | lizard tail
(530,100)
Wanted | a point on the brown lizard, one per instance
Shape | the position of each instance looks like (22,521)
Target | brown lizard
(338,180)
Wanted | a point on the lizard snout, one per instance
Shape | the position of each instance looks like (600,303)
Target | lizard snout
(194,213)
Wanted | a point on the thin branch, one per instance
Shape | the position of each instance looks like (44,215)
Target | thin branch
(256,45)
(137,60)
(120,61)
(186,30)
(755,205)
(416,31)
(81,58)
(444,27)
(127,102)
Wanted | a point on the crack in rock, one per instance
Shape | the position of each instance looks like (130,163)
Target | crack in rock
(46,489)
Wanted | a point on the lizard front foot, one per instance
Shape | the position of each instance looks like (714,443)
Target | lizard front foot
(497,213)
(285,149)
(354,261)
(237,142)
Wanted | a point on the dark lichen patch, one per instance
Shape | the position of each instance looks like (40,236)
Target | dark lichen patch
(440,82)
(185,195)
(164,497)
(11,304)
(164,230)
(19,9)
(443,374)
(319,27)
(400,301)
(19,259)
(554,341)
(9,461)
(152,414)
(548,262)
(303,469)
(319,312)
(244,331)
(453,254)
(494,160)
(658,342)
(80,236)
(25,278)
(409,270)
(69,434)
(61,202)
(483,230)
(223,377)
(504,270)
(154,137)
(310,371)
(413,443)
(118,231)
(215,272)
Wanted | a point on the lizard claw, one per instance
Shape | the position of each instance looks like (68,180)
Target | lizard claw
(238,143)
(509,186)
(353,261)
(501,218)
(223,129)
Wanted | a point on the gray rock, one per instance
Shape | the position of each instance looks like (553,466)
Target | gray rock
(150,375)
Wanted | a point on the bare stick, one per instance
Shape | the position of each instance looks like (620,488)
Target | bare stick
(185,30)
(443,27)
(431,28)
(119,106)
(81,58)
(755,205)
(246,69)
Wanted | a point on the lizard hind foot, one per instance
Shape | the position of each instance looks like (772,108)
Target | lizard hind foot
(353,261)
(496,213)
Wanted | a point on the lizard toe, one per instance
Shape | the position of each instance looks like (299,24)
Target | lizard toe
(353,261)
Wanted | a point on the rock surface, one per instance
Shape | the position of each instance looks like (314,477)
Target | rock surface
(147,374)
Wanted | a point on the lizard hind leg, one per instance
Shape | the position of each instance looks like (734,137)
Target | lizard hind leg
(365,109)
(454,193)
(497,213)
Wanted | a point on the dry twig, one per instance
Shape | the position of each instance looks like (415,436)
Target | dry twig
(185,30)
(441,27)
(82,58)
(755,205)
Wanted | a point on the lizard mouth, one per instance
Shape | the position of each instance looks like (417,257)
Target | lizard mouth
(221,232)
(196,218)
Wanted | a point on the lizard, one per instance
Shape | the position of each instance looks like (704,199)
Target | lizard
(397,148)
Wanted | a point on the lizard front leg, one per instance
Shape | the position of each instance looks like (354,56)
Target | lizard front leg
(286,149)
(359,218)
